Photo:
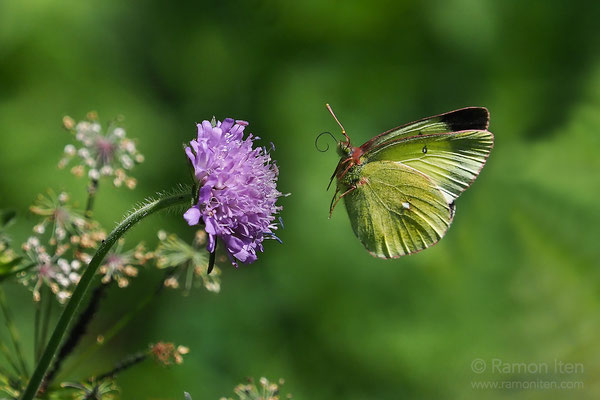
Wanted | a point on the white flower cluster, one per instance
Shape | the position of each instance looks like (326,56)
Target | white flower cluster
(57,213)
(120,265)
(101,154)
(69,237)
(189,262)
(55,271)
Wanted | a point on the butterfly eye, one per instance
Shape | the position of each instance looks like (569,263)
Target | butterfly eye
(344,149)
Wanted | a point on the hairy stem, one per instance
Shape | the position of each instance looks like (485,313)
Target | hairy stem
(124,364)
(151,207)
(12,330)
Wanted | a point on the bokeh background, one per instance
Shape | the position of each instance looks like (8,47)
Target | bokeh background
(517,276)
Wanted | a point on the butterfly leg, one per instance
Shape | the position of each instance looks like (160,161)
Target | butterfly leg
(334,203)
(338,168)
(331,205)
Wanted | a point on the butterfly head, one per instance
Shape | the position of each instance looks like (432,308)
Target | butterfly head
(344,149)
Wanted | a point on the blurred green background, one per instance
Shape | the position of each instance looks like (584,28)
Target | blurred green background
(517,276)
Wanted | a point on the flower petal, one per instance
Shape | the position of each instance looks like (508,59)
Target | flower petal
(192,216)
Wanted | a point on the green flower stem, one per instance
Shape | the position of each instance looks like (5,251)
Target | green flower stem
(6,353)
(92,189)
(151,207)
(36,329)
(124,364)
(47,296)
(12,330)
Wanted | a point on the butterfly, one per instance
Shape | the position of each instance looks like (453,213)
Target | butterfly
(399,188)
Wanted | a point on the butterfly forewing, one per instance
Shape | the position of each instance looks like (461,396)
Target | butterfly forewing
(396,210)
(451,160)
(470,118)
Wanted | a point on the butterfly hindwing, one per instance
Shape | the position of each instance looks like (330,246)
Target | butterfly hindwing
(451,160)
(396,210)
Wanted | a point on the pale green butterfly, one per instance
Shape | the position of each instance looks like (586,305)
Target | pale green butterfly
(399,187)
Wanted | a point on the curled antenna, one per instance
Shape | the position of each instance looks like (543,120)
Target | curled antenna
(317,141)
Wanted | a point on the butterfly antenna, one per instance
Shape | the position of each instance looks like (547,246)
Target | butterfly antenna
(323,150)
(339,123)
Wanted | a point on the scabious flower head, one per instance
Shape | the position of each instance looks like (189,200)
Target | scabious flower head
(238,189)
(101,154)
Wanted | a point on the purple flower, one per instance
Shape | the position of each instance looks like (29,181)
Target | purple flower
(238,189)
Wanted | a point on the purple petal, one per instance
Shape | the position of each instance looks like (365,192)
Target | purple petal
(204,194)
(192,216)
(227,124)
(210,227)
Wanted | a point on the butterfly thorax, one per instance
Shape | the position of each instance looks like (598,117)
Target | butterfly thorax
(351,157)
(350,176)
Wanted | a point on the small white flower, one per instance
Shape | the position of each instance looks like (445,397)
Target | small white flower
(94,174)
(127,161)
(60,233)
(129,146)
(119,132)
(63,296)
(70,150)
(64,265)
(82,126)
(62,280)
(95,127)
(63,197)
(106,170)
(74,277)
(83,152)
(75,264)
